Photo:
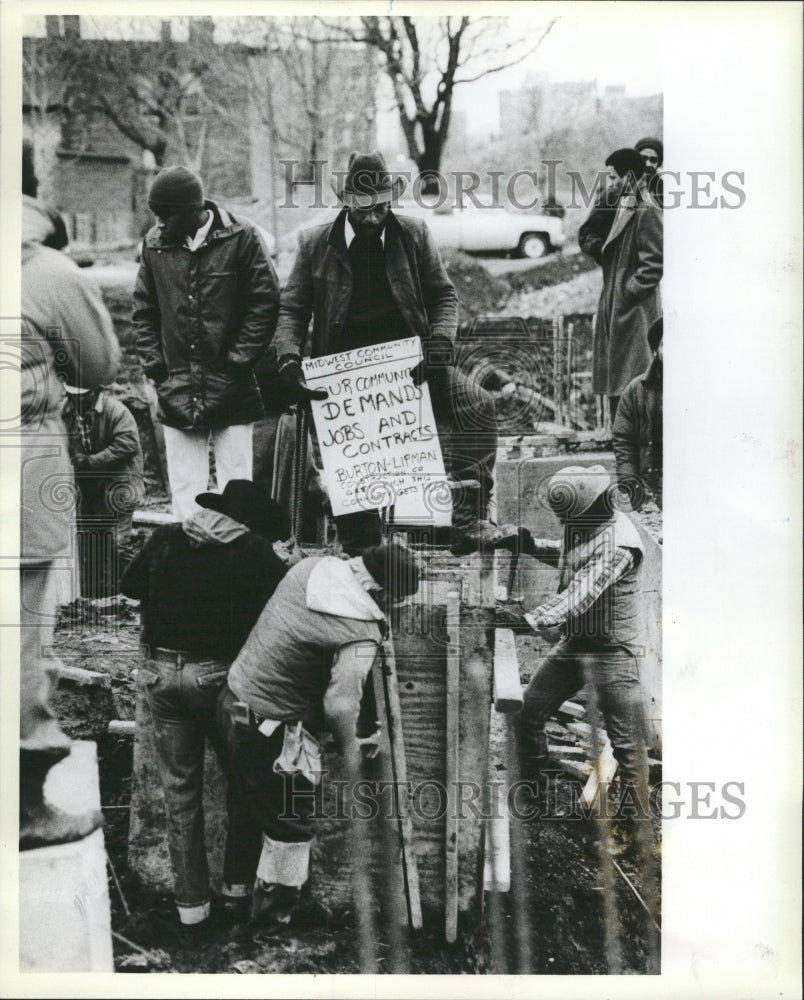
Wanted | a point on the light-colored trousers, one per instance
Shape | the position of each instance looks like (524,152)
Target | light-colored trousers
(188,462)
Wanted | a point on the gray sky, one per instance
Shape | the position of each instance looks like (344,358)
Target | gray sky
(612,43)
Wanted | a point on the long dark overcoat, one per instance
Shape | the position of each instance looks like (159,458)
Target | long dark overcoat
(630,301)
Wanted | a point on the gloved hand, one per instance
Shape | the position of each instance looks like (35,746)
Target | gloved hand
(439,355)
(80,460)
(158,373)
(292,376)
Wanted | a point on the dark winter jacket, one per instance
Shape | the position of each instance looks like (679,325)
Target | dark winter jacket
(320,286)
(637,436)
(202,321)
(203,599)
(632,261)
(595,230)
(113,469)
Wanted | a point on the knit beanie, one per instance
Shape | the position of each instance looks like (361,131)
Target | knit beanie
(649,142)
(176,188)
(394,567)
(655,333)
(627,161)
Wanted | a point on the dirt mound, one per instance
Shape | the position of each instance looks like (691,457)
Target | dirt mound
(555,271)
(478,290)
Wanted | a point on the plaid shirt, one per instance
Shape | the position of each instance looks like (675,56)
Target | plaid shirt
(586,587)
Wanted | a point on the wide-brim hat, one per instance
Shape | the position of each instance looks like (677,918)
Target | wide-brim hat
(367,182)
(574,489)
(245,502)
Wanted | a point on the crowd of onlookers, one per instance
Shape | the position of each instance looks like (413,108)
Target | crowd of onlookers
(247,644)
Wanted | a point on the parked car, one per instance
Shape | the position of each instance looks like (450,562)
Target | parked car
(489,229)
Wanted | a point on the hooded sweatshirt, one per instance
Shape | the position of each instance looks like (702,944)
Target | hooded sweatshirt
(284,669)
(202,584)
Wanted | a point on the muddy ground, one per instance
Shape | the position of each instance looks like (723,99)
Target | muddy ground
(564,893)
(565,885)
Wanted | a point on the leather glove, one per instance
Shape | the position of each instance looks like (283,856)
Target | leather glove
(158,373)
(438,356)
(80,460)
(292,376)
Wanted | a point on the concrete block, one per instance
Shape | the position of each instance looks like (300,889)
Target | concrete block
(65,916)
(148,854)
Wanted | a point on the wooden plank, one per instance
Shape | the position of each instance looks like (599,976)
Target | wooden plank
(153,518)
(573,709)
(497,866)
(121,727)
(507,684)
(393,713)
(453,704)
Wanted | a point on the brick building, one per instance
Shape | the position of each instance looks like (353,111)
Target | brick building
(103,112)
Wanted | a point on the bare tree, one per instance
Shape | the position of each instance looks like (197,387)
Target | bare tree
(426,59)
(49,70)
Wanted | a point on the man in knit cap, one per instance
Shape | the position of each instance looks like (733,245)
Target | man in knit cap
(301,671)
(596,621)
(205,307)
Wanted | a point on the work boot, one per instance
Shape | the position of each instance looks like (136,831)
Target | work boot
(42,824)
(196,936)
(273,905)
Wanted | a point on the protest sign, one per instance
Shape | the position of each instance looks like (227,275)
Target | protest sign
(377,434)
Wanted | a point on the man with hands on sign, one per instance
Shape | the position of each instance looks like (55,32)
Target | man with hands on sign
(371,277)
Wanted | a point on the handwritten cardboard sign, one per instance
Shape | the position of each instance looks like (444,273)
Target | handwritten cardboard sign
(377,433)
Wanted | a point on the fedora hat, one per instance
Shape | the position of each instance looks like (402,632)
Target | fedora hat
(245,502)
(367,182)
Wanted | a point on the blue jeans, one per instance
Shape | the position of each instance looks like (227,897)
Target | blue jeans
(281,807)
(182,692)
(614,673)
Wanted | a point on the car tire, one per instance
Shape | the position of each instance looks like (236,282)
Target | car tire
(533,246)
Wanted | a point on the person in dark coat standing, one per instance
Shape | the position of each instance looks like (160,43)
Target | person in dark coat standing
(107,459)
(372,276)
(632,261)
(202,585)
(637,431)
(205,307)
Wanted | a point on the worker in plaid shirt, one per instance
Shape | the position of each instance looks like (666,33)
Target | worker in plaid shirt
(596,621)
